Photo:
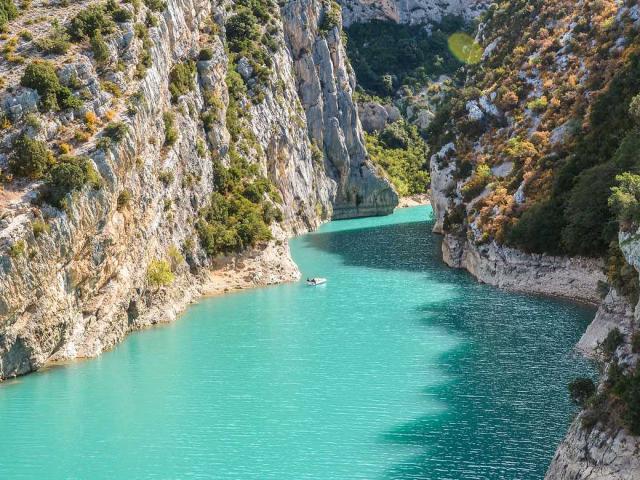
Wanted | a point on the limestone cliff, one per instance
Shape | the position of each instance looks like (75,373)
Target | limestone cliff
(74,281)
(413,12)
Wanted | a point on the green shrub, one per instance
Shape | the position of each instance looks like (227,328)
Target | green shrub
(170,131)
(57,42)
(175,257)
(166,177)
(112,88)
(181,79)
(331,18)
(18,249)
(159,274)
(39,228)
(31,158)
(477,183)
(156,5)
(580,390)
(124,198)
(99,48)
(231,223)
(205,54)
(625,198)
(42,76)
(68,175)
(8,11)
(237,216)
(613,340)
(622,276)
(121,15)
(538,105)
(94,18)
(201,149)
(241,28)
(396,135)
(116,131)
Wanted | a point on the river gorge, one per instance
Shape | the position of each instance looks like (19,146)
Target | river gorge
(398,368)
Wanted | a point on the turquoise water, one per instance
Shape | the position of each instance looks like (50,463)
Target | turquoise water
(398,368)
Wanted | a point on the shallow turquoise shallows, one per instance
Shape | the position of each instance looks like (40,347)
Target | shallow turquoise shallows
(398,368)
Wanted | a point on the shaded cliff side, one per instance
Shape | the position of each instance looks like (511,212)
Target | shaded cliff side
(75,279)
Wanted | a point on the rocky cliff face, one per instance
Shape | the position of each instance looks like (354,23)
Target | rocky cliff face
(479,190)
(413,12)
(601,452)
(511,269)
(77,284)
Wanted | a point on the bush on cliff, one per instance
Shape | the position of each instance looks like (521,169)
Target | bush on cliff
(42,77)
(31,158)
(181,79)
(159,274)
(8,11)
(68,175)
(92,19)
(611,343)
(622,276)
(331,17)
(99,48)
(57,42)
(625,199)
(156,5)
(580,390)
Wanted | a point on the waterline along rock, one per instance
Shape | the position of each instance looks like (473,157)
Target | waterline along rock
(76,279)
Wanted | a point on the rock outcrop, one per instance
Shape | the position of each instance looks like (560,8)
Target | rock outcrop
(604,451)
(413,12)
(511,269)
(77,284)
(596,454)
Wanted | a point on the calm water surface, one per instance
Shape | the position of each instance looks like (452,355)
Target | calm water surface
(398,368)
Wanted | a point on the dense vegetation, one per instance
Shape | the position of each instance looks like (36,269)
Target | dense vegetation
(251,34)
(239,211)
(403,156)
(569,135)
(586,224)
(386,56)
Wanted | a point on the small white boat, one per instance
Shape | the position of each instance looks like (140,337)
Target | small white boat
(316,281)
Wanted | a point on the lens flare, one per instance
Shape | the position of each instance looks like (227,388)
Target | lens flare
(465,48)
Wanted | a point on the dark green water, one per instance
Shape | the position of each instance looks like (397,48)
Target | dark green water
(398,368)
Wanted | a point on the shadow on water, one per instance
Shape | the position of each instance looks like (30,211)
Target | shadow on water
(506,401)
(396,246)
